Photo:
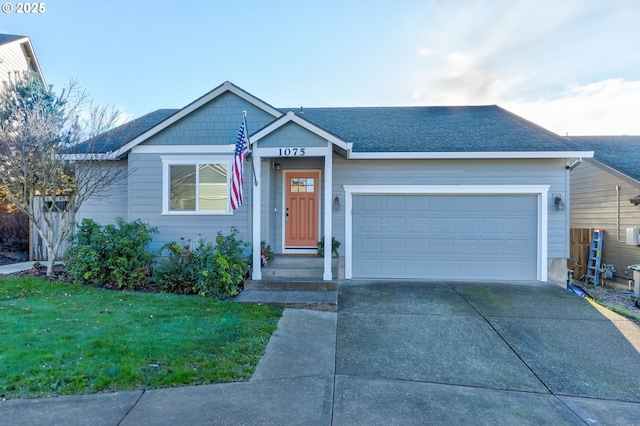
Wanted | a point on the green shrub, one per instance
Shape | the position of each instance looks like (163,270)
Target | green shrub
(113,254)
(204,269)
(178,272)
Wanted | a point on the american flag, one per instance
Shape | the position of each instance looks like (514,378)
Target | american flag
(237,168)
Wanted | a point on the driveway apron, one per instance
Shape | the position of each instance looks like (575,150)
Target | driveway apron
(454,352)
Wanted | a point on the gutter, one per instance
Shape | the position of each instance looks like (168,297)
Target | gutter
(468,155)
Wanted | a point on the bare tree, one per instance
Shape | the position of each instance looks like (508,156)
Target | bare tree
(43,136)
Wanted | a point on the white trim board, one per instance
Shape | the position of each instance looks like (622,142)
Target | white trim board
(541,191)
(467,155)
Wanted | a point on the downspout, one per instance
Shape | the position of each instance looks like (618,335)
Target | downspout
(618,215)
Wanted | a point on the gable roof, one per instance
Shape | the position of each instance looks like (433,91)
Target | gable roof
(378,132)
(291,117)
(227,86)
(621,153)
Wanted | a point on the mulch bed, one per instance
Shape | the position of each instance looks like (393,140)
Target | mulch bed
(61,275)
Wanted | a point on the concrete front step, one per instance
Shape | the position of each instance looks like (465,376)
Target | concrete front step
(291,285)
(320,300)
(283,261)
(298,267)
(295,273)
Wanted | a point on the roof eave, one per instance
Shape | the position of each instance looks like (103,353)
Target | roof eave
(468,155)
(108,156)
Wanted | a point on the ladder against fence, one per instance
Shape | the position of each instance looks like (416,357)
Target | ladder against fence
(595,257)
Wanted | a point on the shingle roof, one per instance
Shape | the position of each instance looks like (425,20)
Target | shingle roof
(121,135)
(8,38)
(621,153)
(394,129)
(434,129)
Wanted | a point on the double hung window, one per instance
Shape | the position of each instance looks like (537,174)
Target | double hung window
(196,187)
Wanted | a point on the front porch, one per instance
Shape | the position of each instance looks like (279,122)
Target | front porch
(295,282)
(292,193)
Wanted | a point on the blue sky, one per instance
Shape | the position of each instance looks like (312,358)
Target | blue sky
(570,66)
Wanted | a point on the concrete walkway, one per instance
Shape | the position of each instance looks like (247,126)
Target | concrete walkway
(22,266)
(405,353)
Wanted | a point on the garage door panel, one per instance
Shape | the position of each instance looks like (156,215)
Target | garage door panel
(442,204)
(445,236)
(492,247)
(370,246)
(368,223)
(395,224)
(394,267)
(396,247)
(418,204)
(421,225)
(516,248)
(375,267)
(443,225)
(417,247)
(398,204)
(518,225)
(441,268)
(470,225)
(491,224)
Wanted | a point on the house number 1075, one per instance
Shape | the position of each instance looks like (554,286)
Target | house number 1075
(291,152)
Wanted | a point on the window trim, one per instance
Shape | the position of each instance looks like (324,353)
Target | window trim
(195,161)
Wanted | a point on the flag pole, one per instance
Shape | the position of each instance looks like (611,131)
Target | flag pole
(253,167)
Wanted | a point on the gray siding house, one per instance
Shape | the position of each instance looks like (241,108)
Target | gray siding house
(601,189)
(16,57)
(410,192)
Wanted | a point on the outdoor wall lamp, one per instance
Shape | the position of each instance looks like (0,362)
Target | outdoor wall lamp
(635,200)
(336,203)
(276,165)
(557,201)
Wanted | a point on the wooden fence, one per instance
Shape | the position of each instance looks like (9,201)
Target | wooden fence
(580,241)
(37,249)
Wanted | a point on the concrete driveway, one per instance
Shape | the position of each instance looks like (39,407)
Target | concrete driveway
(406,353)
(481,353)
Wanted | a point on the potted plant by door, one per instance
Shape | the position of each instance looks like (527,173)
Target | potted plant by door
(335,244)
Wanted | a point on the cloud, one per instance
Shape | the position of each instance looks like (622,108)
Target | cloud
(463,78)
(566,66)
(608,107)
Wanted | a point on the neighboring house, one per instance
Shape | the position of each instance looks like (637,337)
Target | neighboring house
(601,189)
(17,57)
(410,192)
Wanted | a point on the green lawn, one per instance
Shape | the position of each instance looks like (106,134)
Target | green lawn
(62,339)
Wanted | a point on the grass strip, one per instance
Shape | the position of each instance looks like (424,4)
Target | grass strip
(64,339)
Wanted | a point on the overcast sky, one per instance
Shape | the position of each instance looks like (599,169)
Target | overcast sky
(570,66)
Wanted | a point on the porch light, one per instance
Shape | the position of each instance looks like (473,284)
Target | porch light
(276,165)
(635,200)
(557,201)
(336,203)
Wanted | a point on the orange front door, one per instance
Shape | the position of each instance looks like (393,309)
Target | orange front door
(302,191)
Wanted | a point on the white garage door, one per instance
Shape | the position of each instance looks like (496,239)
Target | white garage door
(445,236)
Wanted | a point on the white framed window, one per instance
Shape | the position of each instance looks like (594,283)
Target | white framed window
(195,185)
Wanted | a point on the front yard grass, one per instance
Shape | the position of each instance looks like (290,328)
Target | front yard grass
(63,339)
